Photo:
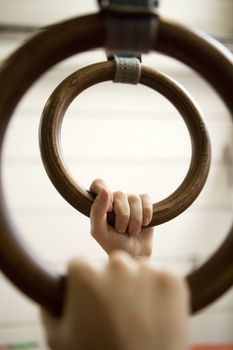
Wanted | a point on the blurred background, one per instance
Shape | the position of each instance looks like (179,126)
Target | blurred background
(135,140)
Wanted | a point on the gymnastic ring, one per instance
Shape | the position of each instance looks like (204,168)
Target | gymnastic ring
(50,139)
(41,52)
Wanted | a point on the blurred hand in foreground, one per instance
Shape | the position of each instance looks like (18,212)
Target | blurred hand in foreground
(125,305)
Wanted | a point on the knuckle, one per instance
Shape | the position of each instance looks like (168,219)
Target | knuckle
(122,214)
(120,205)
(170,281)
(81,271)
(133,198)
(147,251)
(145,196)
(146,201)
(98,182)
(117,260)
(76,264)
(136,222)
(119,195)
(96,185)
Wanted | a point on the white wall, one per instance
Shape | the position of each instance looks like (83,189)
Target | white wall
(213,16)
(152,156)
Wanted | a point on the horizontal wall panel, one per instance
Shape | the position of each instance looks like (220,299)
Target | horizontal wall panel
(109,96)
(26,338)
(14,306)
(206,329)
(213,347)
(217,21)
(42,13)
(60,238)
(28,185)
(91,135)
(183,239)
(9,42)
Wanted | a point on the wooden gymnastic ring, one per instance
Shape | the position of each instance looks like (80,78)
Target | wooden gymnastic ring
(50,139)
(17,74)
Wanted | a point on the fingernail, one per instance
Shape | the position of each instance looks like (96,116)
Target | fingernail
(146,221)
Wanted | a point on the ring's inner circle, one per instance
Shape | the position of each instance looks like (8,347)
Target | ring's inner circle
(134,139)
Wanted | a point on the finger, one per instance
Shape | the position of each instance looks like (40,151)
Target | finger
(98,215)
(147,209)
(121,210)
(97,185)
(135,221)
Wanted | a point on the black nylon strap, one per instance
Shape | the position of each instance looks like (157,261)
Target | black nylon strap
(131,26)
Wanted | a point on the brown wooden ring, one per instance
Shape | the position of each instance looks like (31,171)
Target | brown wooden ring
(41,52)
(50,139)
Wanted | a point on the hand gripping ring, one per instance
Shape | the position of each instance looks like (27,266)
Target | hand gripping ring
(41,52)
(76,195)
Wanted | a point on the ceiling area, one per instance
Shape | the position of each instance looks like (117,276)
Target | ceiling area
(212,16)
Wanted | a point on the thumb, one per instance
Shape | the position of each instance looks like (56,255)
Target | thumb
(98,215)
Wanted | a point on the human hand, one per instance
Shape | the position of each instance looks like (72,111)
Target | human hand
(123,306)
(132,212)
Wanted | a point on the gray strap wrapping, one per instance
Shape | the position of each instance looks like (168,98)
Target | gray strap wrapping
(131,28)
(128,70)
